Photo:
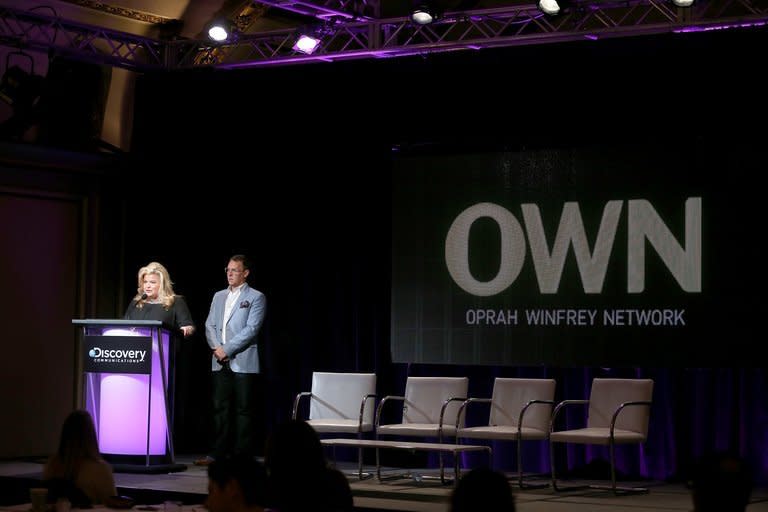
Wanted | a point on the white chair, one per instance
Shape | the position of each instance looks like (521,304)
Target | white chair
(341,403)
(520,410)
(619,410)
(430,409)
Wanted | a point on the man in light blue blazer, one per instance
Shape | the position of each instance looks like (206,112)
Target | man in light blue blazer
(233,323)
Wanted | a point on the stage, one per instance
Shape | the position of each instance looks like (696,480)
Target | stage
(405,494)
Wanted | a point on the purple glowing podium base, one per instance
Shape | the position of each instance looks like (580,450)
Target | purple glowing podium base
(127,385)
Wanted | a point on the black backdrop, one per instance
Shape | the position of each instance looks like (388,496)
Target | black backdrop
(292,167)
(557,312)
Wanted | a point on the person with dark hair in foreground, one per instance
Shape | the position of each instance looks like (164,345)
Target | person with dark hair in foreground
(236,484)
(483,489)
(77,471)
(299,477)
(721,482)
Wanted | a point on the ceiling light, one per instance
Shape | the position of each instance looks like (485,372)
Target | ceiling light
(307,44)
(220,30)
(423,14)
(550,7)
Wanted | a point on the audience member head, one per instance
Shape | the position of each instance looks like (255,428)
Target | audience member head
(236,484)
(483,489)
(294,444)
(721,482)
(299,477)
(77,442)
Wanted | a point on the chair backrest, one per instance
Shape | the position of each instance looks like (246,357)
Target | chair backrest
(510,396)
(608,394)
(424,398)
(339,395)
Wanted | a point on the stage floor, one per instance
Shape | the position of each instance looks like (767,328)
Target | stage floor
(404,494)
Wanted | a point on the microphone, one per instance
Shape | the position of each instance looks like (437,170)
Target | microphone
(143,296)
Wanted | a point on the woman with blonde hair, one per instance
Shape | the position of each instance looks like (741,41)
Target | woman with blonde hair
(156,300)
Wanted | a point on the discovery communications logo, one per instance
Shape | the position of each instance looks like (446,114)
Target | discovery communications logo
(102,355)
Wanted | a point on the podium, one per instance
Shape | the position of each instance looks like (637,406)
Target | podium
(127,385)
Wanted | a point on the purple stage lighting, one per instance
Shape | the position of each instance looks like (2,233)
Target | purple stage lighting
(306,44)
(126,400)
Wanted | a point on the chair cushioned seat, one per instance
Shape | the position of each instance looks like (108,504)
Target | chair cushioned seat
(597,436)
(339,425)
(504,432)
(416,429)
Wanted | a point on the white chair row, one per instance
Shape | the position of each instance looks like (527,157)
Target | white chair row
(519,410)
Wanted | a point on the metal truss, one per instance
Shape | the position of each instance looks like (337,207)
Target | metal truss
(475,29)
(355,38)
(32,30)
(328,9)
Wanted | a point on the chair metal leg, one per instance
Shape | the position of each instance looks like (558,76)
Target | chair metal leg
(520,482)
(360,462)
(442,469)
(440,455)
(611,451)
(519,462)
(456,469)
(361,475)
(554,477)
(613,487)
(552,464)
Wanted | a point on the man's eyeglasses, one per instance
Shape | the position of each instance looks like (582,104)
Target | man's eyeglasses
(232,270)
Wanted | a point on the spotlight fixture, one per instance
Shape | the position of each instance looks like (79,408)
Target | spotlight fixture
(220,30)
(20,87)
(683,3)
(550,7)
(307,44)
(423,14)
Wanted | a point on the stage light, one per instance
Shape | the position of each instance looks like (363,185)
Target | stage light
(683,3)
(307,44)
(19,87)
(12,87)
(221,30)
(551,7)
(423,14)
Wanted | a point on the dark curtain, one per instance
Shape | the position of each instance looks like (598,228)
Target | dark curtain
(304,188)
